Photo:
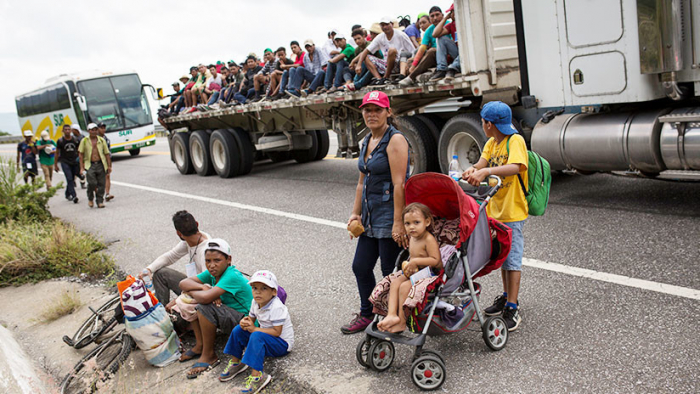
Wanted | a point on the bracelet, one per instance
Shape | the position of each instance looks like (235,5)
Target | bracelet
(489,170)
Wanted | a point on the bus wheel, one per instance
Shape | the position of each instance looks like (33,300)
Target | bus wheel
(181,153)
(420,144)
(324,144)
(246,150)
(199,152)
(305,156)
(135,152)
(463,137)
(224,153)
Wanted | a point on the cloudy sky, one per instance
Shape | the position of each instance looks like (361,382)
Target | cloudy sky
(162,39)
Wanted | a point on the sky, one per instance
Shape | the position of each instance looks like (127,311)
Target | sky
(161,39)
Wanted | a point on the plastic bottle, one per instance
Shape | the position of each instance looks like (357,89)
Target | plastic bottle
(455,172)
(146,276)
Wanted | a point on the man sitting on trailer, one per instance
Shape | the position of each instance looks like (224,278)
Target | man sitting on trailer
(425,57)
(261,80)
(281,65)
(336,72)
(362,79)
(247,87)
(446,47)
(396,47)
(311,72)
(288,70)
(212,84)
(233,82)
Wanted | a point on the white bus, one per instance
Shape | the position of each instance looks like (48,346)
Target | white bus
(116,99)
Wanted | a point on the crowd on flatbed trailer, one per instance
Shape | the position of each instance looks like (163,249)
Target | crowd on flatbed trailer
(391,52)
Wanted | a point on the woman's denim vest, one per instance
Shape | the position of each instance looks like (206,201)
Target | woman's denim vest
(378,190)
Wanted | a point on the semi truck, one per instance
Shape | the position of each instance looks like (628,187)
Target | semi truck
(595,86)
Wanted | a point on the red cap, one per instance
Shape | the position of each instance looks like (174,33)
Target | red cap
(376,97)
(452,7)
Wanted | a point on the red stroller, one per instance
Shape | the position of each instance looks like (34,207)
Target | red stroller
(482,247)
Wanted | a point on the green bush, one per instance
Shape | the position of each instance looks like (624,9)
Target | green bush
(34,251)
(21,202)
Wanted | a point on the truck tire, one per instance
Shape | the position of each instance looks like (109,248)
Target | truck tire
(278,157)
(324,144)
(305,156)
(246,150)
(181,153)
(433,123)
(135,152)
(224,153)
(421,145)
(462,136)
(200,154)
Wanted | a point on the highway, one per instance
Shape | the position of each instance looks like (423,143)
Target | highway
(610,292)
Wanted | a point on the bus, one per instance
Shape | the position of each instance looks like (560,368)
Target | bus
(116,99)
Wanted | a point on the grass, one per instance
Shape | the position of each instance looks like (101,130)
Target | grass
(34,251)
(64,305)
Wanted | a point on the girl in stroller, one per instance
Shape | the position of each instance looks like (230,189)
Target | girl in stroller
(424,252)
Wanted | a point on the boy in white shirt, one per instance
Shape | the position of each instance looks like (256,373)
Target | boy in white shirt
(273,338)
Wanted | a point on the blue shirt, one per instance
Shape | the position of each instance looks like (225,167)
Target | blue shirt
(378,189)
(26,151)
(413,31)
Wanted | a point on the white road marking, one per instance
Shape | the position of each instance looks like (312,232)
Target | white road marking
(554,267)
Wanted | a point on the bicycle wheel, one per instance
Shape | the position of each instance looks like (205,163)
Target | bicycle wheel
(98,323)
(98,365)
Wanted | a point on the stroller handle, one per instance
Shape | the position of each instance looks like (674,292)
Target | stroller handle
(483,191)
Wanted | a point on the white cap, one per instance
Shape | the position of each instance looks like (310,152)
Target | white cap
(75,126)
(28,133)
(386,19)
(92,126)
(339,36)
(45,135)
(219,245)
(265,277)
(309,42)
(335,31)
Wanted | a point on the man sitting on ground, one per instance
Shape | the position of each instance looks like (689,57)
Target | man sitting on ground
(396,47)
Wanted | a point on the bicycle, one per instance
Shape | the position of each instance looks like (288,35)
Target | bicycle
(100,322)
(108,357)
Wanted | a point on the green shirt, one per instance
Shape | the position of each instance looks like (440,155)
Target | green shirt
(349,52)
(86,149)
(359,50)
(46,159)
(238,294)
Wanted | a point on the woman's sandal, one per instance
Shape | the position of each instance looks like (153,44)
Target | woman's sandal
(189,355)
(207,367)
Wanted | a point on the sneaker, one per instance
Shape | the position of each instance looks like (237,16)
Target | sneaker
(450,75)
(75,200)
(189,111)
(498,304)
(357,324)
(320,90)
(109,197)
(406,82)
(254,384)
(333,89)
(512,318)
(304,92)
(232,370)
(438,75)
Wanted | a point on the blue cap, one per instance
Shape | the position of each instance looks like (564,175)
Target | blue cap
(499,113)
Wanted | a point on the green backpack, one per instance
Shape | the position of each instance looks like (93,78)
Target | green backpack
(539,179)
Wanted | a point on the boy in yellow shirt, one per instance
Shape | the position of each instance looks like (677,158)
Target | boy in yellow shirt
(504,155)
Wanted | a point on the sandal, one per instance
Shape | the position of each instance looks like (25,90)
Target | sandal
(207,367)
(189,355)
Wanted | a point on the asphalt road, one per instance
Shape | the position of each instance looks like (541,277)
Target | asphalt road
(578,334)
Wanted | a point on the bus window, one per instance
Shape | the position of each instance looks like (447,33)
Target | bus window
(101,102)
(52,97)
(132,100)
(63,99)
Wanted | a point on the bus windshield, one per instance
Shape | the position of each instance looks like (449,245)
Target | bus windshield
(119,102)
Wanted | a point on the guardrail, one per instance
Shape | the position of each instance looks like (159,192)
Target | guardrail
(11,139)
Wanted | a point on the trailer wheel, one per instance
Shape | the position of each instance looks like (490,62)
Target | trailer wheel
(305,156)
(279,156)
(324,144)
(420,143)
(433,123)
(200,154)
(181,153)
(462,136)
(246,150)
(135,152)
(224,153)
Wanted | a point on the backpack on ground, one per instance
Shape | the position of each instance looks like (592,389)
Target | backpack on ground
(539,180)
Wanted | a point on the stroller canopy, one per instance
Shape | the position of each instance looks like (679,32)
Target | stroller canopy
(445,198)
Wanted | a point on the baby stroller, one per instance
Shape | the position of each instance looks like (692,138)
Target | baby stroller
(481,247)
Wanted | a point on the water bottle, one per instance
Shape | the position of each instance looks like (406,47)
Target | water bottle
(146,276)
(455,172)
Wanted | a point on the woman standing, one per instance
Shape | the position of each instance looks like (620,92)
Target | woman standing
(379,200)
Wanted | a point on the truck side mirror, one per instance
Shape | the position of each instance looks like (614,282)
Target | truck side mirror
(155,94)
(81,102)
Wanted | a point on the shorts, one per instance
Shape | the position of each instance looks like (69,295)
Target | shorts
(380,64)
(514,261)
(223,317)
(33,171)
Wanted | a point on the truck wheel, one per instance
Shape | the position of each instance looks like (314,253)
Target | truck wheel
(247,150)
(200,154)
(462,136)
(224,153)
(135,152)
(433,123)
(324,144)
(278,157)
(181,153)
(305,156)
(420,143)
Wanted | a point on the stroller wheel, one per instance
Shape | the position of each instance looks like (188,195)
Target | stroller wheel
(495,333)
(428,372)
(433,353)
(381,355)
(363,350)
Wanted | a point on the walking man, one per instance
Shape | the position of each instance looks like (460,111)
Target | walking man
(27,151)
(102,128)
(95,159)
(75,129)
(47,150)
(67,155)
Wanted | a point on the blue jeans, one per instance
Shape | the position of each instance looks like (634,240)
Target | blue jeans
(334,74)
(257,345)
(241,98)
(300,75)
(286,79)
(70,171)
(446,46)
(514,261)
(214,98)
(366,254)
(318,81)
(363,78)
